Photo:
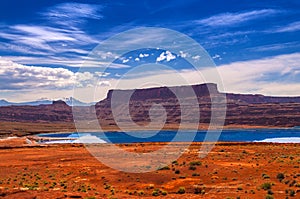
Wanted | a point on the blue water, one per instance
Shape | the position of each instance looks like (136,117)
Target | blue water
(237,135)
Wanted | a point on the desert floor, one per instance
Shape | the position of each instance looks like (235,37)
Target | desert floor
(230,170)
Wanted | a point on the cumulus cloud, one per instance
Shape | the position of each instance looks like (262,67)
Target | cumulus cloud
(196,57)
(124,61)
(168,56)
(106,55)
(141,55)
(183,54)
(14,76)
(137,59)
(102,74)
(104,83)
(216,56)
(17,76)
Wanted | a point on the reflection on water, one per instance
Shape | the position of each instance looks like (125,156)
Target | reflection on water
(237,135)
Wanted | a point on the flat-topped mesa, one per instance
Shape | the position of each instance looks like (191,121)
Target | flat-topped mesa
(200,90)
(259,99)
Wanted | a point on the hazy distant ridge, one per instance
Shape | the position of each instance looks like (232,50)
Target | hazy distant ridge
(70,101)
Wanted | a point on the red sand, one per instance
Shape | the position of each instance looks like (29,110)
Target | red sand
(231,170)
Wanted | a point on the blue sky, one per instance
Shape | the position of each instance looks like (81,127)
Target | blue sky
(43,43)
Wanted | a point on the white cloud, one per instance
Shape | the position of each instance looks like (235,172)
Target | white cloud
(143,55)
(44,40)
(229,19)
(106,55)
(14,76)
(125,61)
(292,27)
(196,57)
(168,56)
(102,74)
(270,76)
(17,76)
(10,47)
(230,34)
(44,33)
(72,14)
(104,83)
(274,47)
(183,54)
(216,56)
(137,59)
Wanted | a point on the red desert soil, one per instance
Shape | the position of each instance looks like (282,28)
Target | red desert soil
(231,170)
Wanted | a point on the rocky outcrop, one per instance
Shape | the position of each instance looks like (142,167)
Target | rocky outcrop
(260,99)
(242,109)
(58,111)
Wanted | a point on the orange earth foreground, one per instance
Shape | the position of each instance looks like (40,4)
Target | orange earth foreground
(230,170)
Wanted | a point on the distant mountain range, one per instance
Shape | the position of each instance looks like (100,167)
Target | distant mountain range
(70,101)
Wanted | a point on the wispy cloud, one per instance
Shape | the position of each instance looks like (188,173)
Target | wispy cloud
(230,34)
(66,61)
(47,42)
(275,47)
(61,36)
(73,13)
(292,27)
(231,19)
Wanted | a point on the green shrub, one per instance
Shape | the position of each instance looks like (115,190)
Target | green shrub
(269,197)
(164,168)
(199,190)
(265,176)
(292,193)
(175,162)
(266,186)
(195,163)
(164,193)
(155,193)
(181,190)
(280,176)
(141,193)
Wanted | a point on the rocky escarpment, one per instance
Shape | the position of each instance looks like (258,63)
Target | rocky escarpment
(58,111)
(242,109)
